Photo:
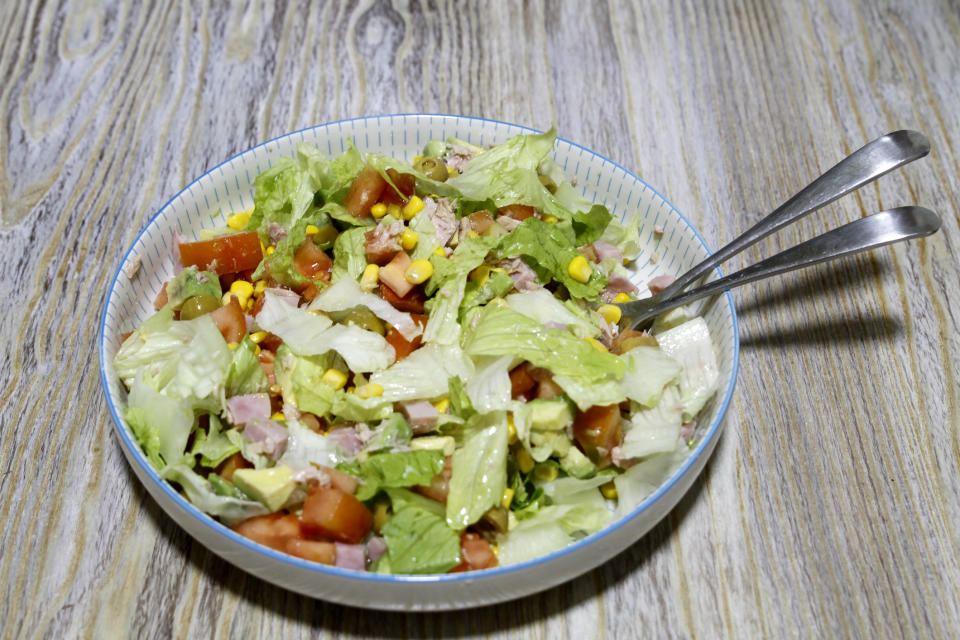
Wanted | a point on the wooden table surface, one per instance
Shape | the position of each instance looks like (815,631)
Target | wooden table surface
(831,507)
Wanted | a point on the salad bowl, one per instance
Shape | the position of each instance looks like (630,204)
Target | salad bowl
(670,246)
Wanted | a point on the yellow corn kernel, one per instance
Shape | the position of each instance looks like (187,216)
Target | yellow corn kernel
(511,430)
(408,239)
(334,378)
(393,210)
(260,286)
(579,269)
(258,336)
(596,344)
(369,390)
(256,349)
(472,234)
(452,171)
(524,462)
(270,250)
(232,345)
(370,277)
(312,229)
(610,312)
(248,305)
(412,208)
(278,416)
(381,513)
(609,490)
(417,158)
(378,210)
(621,298)
(442,405)
(418,271)
(549,219)
(242,289)
(439,252)
(546,472)
(239,221)
(506,498)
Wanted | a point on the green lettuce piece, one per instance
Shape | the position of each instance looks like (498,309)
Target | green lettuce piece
(425,184)
(346,294)
(212,444)
(496,285)
(393,431)
(625,237)
(146,434)
(489,388)
(333,179)
(479,470)
(656,430)
(424,374)
(306,448)
(226,488)
(245,375)
(427,240)
(394,470)
(649,371)
(636,483)
(282,194)
(192,282)
(542,306)
(459,400)
(551,529)
(349,254)
(690,345)
(418,539)
(161,423)
(204,496)
(549,251)
(587,393)
(502,331)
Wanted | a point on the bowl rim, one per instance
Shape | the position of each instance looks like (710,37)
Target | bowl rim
(704,443)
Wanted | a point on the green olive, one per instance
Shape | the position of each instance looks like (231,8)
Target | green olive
(198,306)
(361,317)
(433,168)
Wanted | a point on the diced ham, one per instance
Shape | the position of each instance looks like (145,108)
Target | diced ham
(347,438)
(266,437)
(393,274)
(660,283)
(524,278)
(508,223)
(383,242)
(441,215)
(376,547)
(458,156)
(687,430)
(351,556)
(249,407)
(292,298)
(589,252)
(605,250)
(421,414)
(276,231)
(617,284)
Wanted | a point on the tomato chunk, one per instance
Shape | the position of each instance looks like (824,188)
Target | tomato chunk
(312,261)
(364,192)
(405,182)
(331,513)
(230,321)
(521,382)
(439,485)
(401,345)
(224,254)
(517,211)
(480,221)
(313,550)
(272,530)
(231,464)
(475,553)
(597,431)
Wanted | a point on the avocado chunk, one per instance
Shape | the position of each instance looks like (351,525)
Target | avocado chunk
(271,487)
(550,415)
(576,464)
(446,444)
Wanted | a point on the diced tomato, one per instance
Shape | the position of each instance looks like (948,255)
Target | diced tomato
(331,513)
(413,302)
(597,431)
(231,464)
(630,338)
(521,382)
(480,221)
(312,261)
(313,550)
(475,553)
(439,485)
(230,321)
(517,211)
(393,274)
(311,422)
(272,530)
(340,480)
(405,182)
(223,254)
(364,192)
(548,389)
(401,345)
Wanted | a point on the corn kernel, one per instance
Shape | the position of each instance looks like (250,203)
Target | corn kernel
(312,230)
(408,239)
(239,221)
(546,472)
(452,171)
(473,235)
(242,289)
(381,513)
(418,157)
(579,269)
(621,298)
(511,429)
(260,287)
(507,497)
(378,210)
(596,344)
(233,346)
(278,416)
(442,405)
(412,208)
(393,210)
(418,271)
(549,219)
(370,277)
(256,349)
(369,390)
(334,378)
(270,250)
(524,461)
(258,336)
(609,490)
(439,252)
(610,312)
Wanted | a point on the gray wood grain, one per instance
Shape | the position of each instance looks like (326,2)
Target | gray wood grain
(831,505)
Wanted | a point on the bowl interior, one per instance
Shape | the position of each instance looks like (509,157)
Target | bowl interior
(671,245)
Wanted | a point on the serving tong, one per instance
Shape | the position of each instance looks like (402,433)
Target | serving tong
(861,167)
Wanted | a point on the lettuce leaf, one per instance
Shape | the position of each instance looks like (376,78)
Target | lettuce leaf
(349,254)
(479,470)
(656,430)
(418,539)
(192,282)
(424,374)
(489,387)
(203,496)
(542,306)
(212,444)
(649,371)
(690,345)
(245,375)
(306,448)
(346,294)
(394,470)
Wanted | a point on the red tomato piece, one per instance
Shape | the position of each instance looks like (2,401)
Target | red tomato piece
(521,382)
(475,553)
(312,261)
(364,192)
(401,345)
(480,221)
(223,254)
(405,182)
(313,550)
(597,431)
(272,530)
(340,480)
(331,513)
(231,464)
(517,211)
(230,321)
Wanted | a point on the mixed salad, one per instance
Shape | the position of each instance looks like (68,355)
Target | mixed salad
(413,368)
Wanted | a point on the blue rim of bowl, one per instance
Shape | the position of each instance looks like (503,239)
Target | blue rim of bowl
(470,576)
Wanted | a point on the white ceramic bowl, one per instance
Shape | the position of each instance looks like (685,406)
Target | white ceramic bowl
(228,187)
